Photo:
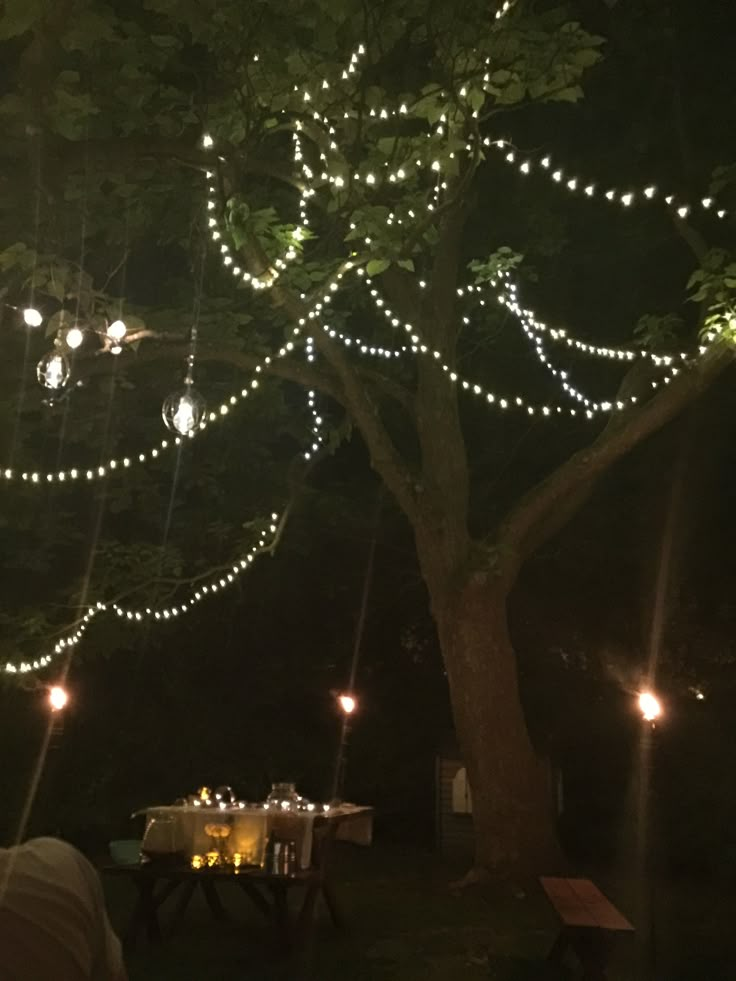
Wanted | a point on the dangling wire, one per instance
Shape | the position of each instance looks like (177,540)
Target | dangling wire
(340,763)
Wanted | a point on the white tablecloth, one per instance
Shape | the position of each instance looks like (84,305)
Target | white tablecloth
(182,829)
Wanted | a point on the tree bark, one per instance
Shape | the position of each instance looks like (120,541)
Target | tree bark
(513,811)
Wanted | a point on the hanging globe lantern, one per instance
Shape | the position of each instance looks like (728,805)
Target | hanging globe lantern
(53,370)
(183,411)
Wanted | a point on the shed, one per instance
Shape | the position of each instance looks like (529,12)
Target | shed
(453,804)
(454,835)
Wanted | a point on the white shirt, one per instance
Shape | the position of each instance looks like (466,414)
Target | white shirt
(53,924)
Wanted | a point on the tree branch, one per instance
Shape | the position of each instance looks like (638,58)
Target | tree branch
(285,368)
(546,508)
(385,458)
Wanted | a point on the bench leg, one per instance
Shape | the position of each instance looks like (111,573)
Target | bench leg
(559,948)
(593,950)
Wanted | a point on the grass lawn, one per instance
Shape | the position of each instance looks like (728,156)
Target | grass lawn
(406,925)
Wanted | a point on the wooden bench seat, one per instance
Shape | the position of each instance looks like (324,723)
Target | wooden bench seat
(590,924)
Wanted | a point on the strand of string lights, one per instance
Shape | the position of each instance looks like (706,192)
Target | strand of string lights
(266,279)
(492,398)
(527,322)
(316,435)
(562,336)
(597,189)
(73,475)
(213,586)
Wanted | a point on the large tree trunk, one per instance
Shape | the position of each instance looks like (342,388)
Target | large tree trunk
(513,812)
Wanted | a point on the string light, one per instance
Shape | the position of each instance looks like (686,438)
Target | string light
(117,331)
(560,335)
(73,338)
(73,475)
(488,397)
(595,189)
(213,586)
(267,279)
(316,435)
(32,317)
(530,324)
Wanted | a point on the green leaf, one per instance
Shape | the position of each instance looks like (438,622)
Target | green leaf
(376,266)
(164,40)
(61,320)
(19,16)
(406,264)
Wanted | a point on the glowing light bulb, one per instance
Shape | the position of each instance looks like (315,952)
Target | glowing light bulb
(74,337)
(58,698)
(184,417)
(649,706)
(32,317)
(117,330)
(347,703)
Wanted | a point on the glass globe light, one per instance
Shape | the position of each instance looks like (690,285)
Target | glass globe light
(74,337)
(32,317)
(53,370)
(117,330)
(183,411)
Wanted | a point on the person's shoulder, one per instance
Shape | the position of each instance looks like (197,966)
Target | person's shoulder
(51,848)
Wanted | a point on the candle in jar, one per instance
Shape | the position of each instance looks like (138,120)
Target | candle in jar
(197,861)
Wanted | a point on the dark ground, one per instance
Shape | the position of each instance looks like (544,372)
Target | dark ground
(406,925)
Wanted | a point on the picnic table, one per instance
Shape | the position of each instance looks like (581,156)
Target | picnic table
(590,924)
(158,882)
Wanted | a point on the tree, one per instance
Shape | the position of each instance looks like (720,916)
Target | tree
(392,111)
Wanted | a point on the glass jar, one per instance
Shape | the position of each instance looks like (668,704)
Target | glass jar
(284,796)
(160,838)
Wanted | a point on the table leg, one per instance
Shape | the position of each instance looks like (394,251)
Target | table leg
(306,913)
(213,900)
(328,892)
(145,916)
(188,890)
(281,909)
(256,896)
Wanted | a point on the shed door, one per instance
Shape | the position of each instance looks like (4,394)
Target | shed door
(462,802)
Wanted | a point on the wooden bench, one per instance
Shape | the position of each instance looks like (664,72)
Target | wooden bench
(590,924)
